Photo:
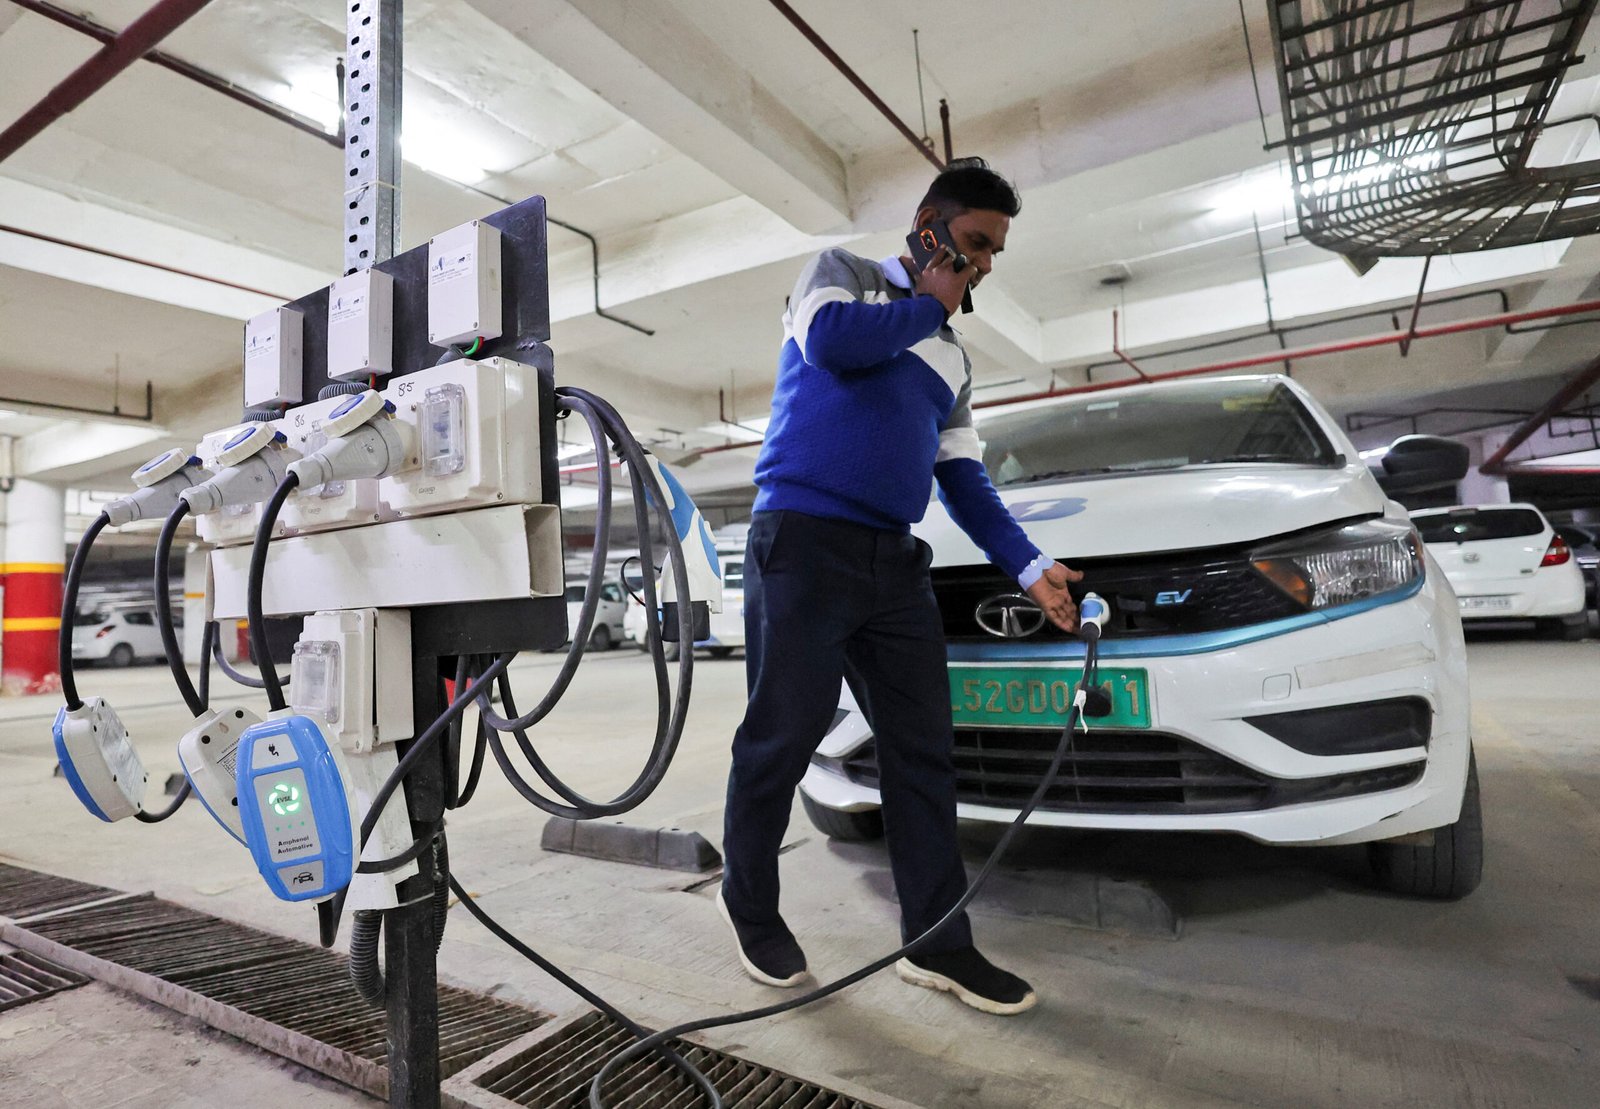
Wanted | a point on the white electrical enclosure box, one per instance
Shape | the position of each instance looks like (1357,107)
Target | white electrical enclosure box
(234,523)
(352,674)
(332,504)
(273,354)
(464,287)
(477,430)
(361,325)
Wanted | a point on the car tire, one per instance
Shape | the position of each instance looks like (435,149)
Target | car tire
(600,638)
(1451,868)
(121,655)
(670,651)
(1570,628)
(847,827)
(721,652)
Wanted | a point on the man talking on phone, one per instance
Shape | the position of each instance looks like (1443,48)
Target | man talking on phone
(872,405)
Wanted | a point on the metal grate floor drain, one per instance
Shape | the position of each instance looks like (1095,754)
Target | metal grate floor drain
(247,969)
(555,1072)
(28,892)
(25,978)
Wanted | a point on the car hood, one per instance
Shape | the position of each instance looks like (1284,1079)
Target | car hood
(1150,513)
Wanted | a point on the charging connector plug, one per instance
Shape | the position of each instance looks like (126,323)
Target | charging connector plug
(161,481)
(255,462)
(100,765)
(209,755)
(364,441)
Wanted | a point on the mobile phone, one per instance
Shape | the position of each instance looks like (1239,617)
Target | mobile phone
(928,243)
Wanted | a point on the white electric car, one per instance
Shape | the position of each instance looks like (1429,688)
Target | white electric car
(1284,659)
(1505,562)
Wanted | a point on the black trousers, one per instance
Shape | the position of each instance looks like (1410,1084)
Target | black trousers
(827,600)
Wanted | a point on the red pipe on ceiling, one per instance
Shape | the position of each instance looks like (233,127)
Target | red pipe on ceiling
(1386,338)
(861,86)
(1317,350)
(1495,465)
(135,41)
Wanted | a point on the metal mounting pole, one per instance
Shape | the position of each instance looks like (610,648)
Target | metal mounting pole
(373,70)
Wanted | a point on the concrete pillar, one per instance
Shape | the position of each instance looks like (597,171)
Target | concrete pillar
(1478,487)
(35,552)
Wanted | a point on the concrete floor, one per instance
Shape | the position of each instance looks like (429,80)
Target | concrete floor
(1293,983)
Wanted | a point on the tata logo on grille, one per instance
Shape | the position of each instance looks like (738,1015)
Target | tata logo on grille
(1009,616)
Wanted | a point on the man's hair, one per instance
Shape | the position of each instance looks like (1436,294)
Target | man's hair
(968,183)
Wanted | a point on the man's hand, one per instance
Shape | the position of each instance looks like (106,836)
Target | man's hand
(1050,593)
(941,280)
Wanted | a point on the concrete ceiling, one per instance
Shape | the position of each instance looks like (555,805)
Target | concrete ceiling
(710,148)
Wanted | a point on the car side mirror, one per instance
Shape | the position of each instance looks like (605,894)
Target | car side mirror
(1416,463)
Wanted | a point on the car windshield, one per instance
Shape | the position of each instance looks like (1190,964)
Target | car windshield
(575,593)
(1195,424)
(1470,525)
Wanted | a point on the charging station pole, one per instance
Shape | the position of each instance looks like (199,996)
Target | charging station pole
(374,67)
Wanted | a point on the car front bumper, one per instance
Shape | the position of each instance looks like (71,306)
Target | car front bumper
(1408,648)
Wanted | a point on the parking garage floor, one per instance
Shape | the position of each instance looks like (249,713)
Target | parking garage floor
(1290,983)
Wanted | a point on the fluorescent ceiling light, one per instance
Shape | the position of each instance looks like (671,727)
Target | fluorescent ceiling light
(438,149)
(574,450)
(1262,192)
(316,98)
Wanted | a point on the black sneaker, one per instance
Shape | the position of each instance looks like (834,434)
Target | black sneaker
(770,953)
(972,978)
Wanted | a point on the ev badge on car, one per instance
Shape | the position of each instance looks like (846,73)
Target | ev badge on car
(1009,616)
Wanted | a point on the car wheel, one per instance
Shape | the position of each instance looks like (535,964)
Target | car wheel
(721,652)
(671,651)
(1451,868)
(600,638)
(121,655)
(1565,627)
(849,827)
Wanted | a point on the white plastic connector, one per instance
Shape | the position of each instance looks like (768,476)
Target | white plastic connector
(161,482)
(250,482)
(209,753)
(100,764)
(694,534)
(247,442)
(163,466)
(365,775)
(374,449)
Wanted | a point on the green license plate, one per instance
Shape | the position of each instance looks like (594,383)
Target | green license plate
(1041,696)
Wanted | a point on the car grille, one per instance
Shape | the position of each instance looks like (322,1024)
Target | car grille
(1166,595)
(1125,772)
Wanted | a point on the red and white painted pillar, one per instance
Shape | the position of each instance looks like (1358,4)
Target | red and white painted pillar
(35,550)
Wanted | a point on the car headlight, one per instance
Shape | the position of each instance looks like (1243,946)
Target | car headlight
(1345,565)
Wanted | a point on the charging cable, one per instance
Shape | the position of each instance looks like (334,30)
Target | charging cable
(1089,627)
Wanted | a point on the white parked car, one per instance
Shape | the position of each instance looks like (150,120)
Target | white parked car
(1284,659)
(607,631)
(1505,562)
(117,636)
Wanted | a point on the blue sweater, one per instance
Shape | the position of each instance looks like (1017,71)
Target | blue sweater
(873,404)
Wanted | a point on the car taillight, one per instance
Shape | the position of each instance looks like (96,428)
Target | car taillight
(105,631)
(1559,553)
